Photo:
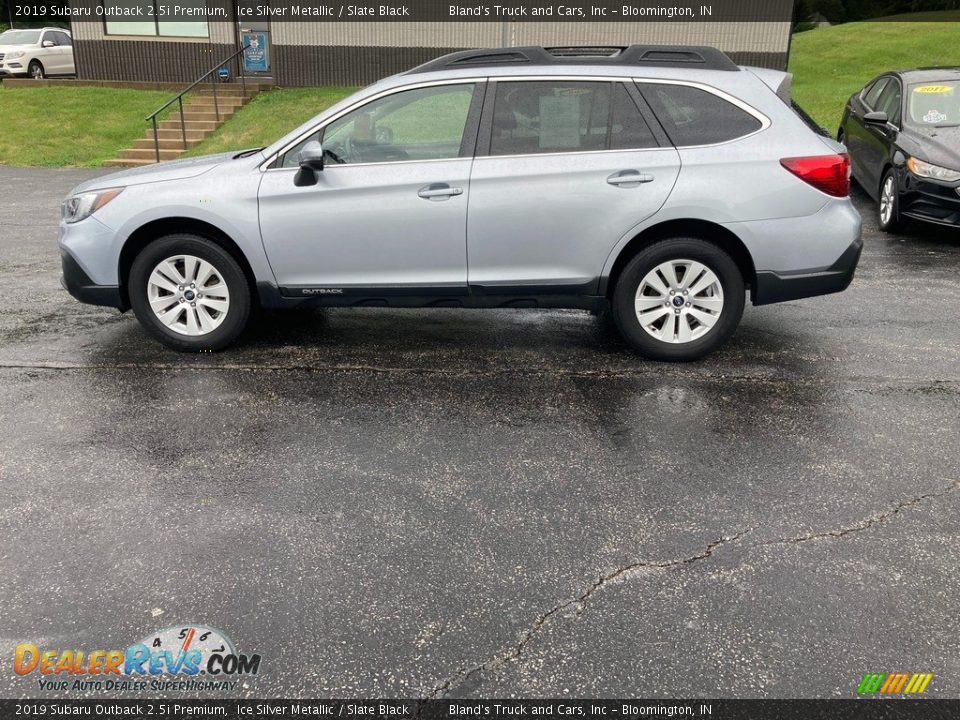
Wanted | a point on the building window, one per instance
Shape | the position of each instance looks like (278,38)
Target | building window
(154,26)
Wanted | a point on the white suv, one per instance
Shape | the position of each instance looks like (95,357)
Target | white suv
(36,53)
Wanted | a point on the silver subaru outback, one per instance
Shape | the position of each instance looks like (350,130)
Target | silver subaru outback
(661,182)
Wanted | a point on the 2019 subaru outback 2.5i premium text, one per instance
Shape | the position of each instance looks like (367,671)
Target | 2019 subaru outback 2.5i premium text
(660,181)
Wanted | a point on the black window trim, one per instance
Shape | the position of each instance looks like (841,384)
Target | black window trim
(485,140)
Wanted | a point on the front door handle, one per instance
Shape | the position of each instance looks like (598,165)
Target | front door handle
(629,178)
(439,191)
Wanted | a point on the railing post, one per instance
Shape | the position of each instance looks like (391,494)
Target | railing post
(213,84)
(156,138)
(243,75)
(183,125)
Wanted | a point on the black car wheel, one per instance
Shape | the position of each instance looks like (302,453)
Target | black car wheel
(189,293)
(889,210)
(679,299)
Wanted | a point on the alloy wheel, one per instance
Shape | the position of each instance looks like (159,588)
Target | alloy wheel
(188,295)
(679,301)
(887,200)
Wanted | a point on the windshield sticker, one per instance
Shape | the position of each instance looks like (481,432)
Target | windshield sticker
(934,116)
(934,90)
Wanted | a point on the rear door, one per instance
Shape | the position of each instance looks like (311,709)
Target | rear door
(564,169)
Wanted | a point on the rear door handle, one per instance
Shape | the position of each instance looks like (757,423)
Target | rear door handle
(439,191)
(629,178)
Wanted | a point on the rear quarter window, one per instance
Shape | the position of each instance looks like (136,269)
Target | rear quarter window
(693,116)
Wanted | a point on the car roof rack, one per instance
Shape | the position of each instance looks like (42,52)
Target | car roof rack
(676,56)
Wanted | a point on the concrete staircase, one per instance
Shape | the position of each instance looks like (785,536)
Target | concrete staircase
(199,119)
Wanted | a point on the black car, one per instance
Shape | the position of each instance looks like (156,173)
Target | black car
(903,134)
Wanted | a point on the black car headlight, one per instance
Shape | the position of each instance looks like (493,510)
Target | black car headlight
(934,172)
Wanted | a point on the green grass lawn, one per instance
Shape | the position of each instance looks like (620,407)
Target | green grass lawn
(830,64)
(72,126)
(268,117)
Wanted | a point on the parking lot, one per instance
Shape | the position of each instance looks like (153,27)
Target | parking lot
(504,503)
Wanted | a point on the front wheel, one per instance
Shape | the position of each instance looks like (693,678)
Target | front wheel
(678,300)
(189,293)
(35,70)
(889,211)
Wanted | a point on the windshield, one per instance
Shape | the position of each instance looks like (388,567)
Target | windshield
(935,104)
(19,37)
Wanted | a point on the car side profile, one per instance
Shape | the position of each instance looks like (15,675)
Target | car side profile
(36,53)
(903,134)
(660,182)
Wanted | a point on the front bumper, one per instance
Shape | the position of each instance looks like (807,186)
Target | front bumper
(928,201)
(772,287)
(78,283)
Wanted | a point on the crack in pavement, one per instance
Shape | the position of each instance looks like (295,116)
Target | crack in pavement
(515,652)
(940,384)
(870,521)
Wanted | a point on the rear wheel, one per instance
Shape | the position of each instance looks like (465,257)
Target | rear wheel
(189,293)
(889,211)
(679,299)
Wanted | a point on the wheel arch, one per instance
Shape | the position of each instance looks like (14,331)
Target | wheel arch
(704,230)
(156,229)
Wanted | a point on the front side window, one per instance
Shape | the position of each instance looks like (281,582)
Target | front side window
(421,124)
(556,117)
(889,102)
(693,116)
(871,96)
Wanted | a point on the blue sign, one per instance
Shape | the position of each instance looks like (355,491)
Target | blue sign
(256,58)
(223,73)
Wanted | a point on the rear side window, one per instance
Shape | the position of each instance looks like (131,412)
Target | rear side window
(692,116)
(555,117)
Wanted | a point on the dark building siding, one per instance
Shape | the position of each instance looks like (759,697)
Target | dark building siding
(147,60)
(342,65)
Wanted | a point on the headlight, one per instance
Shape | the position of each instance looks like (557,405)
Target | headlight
(15,54)
(78,207)
(935,172)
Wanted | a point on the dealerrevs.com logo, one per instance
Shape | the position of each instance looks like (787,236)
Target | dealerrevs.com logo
(188,658)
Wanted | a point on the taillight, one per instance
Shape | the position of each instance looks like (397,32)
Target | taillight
(827,173)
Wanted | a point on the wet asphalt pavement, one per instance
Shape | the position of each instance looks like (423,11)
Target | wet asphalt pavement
(490,503)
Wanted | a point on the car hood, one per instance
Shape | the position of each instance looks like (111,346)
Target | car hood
(173,170)
(940,146)
(10,48)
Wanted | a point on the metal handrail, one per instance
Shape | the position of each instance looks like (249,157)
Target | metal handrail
(152,117)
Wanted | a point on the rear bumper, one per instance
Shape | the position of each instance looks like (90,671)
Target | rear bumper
(77,283)
(772,287)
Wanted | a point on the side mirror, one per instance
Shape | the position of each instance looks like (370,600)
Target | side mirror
(311,162)
(48,44)
(876,118)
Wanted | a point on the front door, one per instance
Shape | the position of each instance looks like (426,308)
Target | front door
(572,167)
(389,210)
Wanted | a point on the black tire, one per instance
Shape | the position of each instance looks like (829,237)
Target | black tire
(226,266)
(35,70)
(893,224)
(629,282)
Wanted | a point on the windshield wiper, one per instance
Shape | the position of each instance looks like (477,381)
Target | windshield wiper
(247,153)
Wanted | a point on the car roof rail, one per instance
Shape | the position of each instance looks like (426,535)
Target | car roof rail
(677,56)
